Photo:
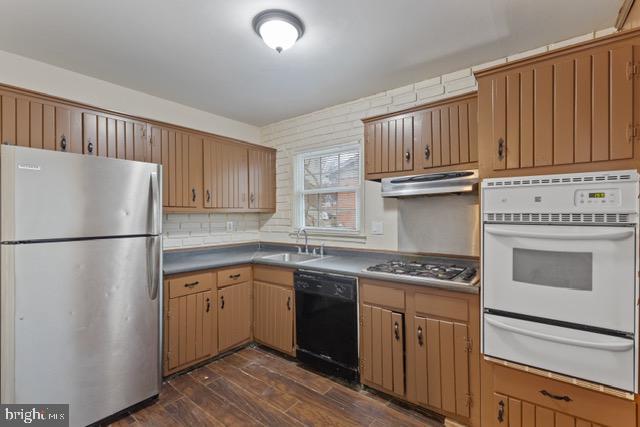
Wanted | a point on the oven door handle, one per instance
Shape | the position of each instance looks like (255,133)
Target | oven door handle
(602,235)
(611,346)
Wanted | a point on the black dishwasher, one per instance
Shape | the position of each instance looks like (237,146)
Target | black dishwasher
(327,323)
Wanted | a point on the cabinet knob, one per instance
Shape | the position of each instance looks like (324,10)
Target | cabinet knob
(396,330)
(90,147)
(222,302)
(420,338)
(500,148)
(427,152)
(407,155)
(63,143)
(193,194)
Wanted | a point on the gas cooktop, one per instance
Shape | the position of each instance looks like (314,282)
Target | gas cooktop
(427,271)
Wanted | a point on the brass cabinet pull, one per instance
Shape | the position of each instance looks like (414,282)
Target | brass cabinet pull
(427,152)
(193,194)
(208,304)
(396,330)
(555,396)
(500,148)
(191,285)
(289,303)
(221,302)
(63,143)
(407,155)
(501,411)
(420,338)
(234,276)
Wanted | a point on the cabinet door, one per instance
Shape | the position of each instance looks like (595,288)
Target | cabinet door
(8,119)
(273,315)
(191,330)
(195,171)
(154,154)
(89,133)
(68,130)
(389,145)
(442,365)
(262,179)
(225,175)
(382,344)
(234,315)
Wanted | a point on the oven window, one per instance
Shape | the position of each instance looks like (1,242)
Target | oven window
(570,270)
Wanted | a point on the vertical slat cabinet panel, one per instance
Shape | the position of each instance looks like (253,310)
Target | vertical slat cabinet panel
(543,113)
(461,368)
(242,165)
(515,412)
(447,367)
(544,417)
(173,334)
(22,122)
(454,133)
(102,148)
(527,101)
(433,363)
(473,130)
(285,326)
(178,167)
(164,137)
(195,171)
(182,333)
(173,162)
(36,125)
(395,145)
(76,144)
(129,130)
(582,132)
(369,137)
(528,414)
(424,124)
(191,317)
(366,344)
(155,145)
(187,194)
(207,172)
(8,120)
(49,127)
(384,148)
(512,152)
(63,129)
(199,327)
(255,172)
(377,148)
(208,323)
(600,106)
(387,350)
(376,345)
(259,312)
(499,137)
(407,138)
(398,353)
(121,141)
(112,139)
(445,135)
(563,112)
(463,126)
(89,133)
(435,138)
(421,372)
(140,142)
(621,103)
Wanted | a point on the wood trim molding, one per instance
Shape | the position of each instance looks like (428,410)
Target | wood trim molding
(611,38)
(117,114)
(623,13)
(437,103)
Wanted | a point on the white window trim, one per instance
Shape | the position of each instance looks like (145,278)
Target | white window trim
(298,190)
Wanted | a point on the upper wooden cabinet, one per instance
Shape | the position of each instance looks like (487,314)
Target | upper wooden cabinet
(262,179)
(570,110)
(435,137)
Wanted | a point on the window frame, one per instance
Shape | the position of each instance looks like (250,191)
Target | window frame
(300,192)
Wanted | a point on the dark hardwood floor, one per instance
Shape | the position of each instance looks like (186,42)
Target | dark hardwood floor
(255,387)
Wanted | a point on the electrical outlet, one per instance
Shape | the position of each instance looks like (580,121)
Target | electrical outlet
(377,227)
(230,225)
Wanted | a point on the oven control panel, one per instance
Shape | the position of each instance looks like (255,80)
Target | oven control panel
(597,197)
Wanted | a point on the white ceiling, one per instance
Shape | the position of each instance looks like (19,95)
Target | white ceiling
(204,53)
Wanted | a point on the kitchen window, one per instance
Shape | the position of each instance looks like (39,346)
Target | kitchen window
(328,189)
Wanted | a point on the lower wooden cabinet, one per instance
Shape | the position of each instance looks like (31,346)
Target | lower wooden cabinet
(515,398)
(190,320)
(234,315)
(274,308)
(382,358)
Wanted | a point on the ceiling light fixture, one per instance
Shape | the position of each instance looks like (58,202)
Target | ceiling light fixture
(278,29)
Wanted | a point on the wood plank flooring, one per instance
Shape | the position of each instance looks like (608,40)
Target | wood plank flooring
(255,387)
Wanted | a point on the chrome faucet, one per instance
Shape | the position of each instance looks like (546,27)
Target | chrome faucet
(306,240)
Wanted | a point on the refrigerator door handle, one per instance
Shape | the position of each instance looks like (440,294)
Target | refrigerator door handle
(155,198)
(154,251)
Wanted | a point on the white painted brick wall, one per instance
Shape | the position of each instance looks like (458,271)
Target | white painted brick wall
(192,230)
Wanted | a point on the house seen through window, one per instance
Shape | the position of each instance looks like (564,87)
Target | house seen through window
(328,189)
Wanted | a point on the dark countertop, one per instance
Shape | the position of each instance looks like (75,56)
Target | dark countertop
(337,261)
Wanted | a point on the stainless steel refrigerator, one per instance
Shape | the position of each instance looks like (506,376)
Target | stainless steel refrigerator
(80,277)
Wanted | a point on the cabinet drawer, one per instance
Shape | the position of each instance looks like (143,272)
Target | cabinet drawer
(191,284)
(382,295)
(275,275)
(582,403)
(441,306)
(230,276)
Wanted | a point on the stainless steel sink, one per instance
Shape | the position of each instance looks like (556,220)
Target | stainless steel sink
(293,257)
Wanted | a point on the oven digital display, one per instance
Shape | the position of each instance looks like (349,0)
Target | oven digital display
(596,195)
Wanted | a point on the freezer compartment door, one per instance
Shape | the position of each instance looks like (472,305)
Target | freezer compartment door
(591,356)
(54,195)
(86,322)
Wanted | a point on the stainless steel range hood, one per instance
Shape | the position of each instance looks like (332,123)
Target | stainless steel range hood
(428,184)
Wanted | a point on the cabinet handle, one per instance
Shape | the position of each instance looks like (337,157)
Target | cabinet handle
(427,152)
(396,330)
(193,194)
(252,198)
(90,147)
(222,302)
(234,276)
(191,285)
(501,411)
(500,148)
(407,155)
(63,143)
(555,396)
(420,339)
(208,196)
(289,303)
(208,304)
